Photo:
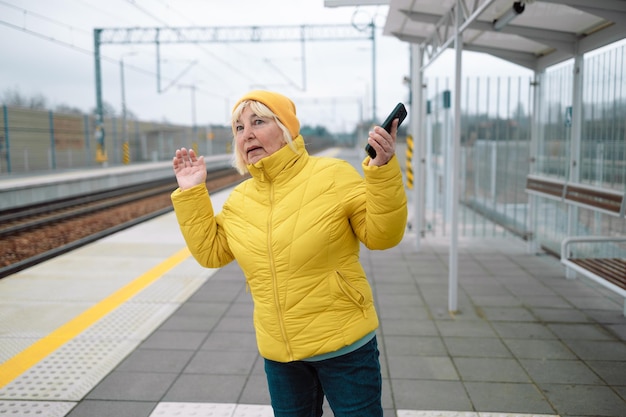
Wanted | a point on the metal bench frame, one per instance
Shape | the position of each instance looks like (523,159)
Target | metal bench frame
(572,266)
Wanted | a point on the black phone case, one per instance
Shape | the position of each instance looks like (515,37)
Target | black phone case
(399,112)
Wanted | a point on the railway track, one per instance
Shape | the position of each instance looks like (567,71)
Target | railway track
(31,235)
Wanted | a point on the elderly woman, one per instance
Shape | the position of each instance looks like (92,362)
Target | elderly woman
(295,228)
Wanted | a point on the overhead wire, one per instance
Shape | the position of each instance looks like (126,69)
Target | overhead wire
(61,42)
(265,61)
(212,55)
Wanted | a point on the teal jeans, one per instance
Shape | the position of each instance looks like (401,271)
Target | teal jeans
(351,383)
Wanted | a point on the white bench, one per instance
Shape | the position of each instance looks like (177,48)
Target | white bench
(608,272)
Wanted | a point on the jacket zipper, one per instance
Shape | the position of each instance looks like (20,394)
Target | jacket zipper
(273,272)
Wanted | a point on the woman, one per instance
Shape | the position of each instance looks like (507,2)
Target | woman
(295,229)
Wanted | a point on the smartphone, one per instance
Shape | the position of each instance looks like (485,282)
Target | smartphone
(399,112)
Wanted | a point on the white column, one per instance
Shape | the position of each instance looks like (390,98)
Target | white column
(453,278)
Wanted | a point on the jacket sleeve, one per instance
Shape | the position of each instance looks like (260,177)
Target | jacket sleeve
(203,233)
(378,214)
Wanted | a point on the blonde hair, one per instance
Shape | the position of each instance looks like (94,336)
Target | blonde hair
(261,110)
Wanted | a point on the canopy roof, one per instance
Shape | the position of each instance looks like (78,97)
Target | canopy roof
(544,33)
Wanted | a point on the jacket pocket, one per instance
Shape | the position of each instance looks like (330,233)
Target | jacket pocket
(350,290)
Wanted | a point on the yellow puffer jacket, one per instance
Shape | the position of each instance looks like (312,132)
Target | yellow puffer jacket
(295,229)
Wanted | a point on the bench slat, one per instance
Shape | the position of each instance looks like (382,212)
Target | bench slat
(611,269)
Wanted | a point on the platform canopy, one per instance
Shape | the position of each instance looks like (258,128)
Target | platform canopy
(533,33)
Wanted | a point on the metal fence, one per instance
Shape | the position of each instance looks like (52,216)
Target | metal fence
(600,161)
(495,140)
(35,140)
(504,138)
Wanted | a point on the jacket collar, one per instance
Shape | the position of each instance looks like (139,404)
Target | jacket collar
(284,160)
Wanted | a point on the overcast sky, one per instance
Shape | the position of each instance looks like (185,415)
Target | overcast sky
(46,47)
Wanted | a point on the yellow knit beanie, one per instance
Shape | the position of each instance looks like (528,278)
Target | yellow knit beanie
(280,105)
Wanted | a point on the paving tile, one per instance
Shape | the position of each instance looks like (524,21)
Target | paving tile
(597,302)
(393,300)
(534,289)
(612,372)
(430,395)
(202,309)
(415,345)
(189,323)
(133,386)
(241,309)
(586,400)
(490,370)
(92,408)
(406,327)
(496,300)
(539,349)
(473,328)
(561,315)
(508,314)
(404,288)
(173,339)
(598,350)
(489,289)
(523,330)
(219,291)
(546,301)
(230,341)
(422,367)
(507,398)
(235,324)
(255,391)
(415,312)
(156,360)
(476,347)
(580,331)
(219,362)
(560,372)
(206,388)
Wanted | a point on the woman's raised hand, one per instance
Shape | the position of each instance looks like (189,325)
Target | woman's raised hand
(384,143)
(190,170)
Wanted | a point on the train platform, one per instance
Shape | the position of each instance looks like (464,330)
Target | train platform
(24,190)
(131,326)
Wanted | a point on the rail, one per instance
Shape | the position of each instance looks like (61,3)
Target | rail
(35,240)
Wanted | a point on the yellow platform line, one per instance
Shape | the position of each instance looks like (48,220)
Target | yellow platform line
(30,356)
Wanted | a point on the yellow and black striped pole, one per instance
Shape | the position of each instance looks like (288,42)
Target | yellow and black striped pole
(125,153)
(409,162)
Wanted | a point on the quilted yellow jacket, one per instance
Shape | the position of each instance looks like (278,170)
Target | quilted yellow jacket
(295,229)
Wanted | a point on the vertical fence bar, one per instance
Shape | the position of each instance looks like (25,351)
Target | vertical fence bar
(622,123)
(53,153)
(116,148)
(7,142)
(87,141)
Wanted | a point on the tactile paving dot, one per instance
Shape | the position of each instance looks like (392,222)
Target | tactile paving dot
(70,372)
(244,410)
(74,369)
(35,408)
(130,321)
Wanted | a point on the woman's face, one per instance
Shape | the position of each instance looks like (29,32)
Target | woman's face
(256,136)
